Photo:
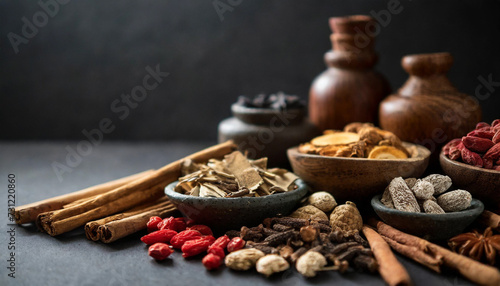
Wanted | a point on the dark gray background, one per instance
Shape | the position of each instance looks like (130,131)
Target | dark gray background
(66,77)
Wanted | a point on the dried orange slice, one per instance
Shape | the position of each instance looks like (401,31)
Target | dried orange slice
(387,152)
(338,138)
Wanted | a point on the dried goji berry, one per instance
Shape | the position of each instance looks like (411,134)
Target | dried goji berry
(493,153)
(159,251)
(477,144)
(217,250)
(496,137)
(174,223)
(471,158)
(235,244)
(449,145)
(482,134)
(196,246)
(153,223)
(164,235)
(482,125)
(211,261)
(221,242)
(190,222)
(203,229)
(495,123)
(178,240)
(488,163)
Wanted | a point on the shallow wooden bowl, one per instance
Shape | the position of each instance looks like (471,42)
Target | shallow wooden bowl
(355,179)
(482,183)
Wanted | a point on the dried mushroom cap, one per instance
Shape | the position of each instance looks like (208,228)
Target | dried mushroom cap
(347,218)
(310,263)
(455,201)
(441,183)
(309,212)
(243,259)
(271,263)
(323,201)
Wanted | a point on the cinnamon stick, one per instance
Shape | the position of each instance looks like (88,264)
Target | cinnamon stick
(28,213)
(91,227)
(146,188)
(391,270)
(471,269)
(117,229)
(490,219)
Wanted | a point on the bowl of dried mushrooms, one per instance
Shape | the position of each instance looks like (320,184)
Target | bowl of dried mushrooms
(357,162)
(235,191)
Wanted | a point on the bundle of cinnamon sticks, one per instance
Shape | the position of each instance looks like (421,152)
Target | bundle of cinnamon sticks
(114,209)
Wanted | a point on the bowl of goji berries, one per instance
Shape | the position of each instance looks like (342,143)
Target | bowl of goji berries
(473,162)
(229,213)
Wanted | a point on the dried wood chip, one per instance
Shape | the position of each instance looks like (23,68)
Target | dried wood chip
(245,174)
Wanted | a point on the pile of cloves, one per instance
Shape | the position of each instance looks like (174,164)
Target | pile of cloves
(291,238)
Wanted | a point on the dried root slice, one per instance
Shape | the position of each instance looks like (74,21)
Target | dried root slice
(386,152)
(338,138)
(308,148)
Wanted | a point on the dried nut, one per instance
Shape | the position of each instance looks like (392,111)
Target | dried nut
(386,199)
(271,263)
(423,190)
(347,218)
(243,259)
(309,263)
(402,196)
(309,212)
(455,201)
(441,183)
(337,138)
(431,207)
(323,201)
(410,182)
(387,152)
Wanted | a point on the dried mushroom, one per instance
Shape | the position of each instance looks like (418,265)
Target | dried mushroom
(271,263)
(310,263)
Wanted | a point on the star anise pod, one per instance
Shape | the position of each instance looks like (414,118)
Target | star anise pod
(476,245)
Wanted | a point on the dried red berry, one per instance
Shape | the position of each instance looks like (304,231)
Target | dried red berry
(452,143)
(211,261)
(235,244)
(496,137)
(196,246)
(178,240)
(221,242)
(471,158)
(495,123)
(159,251)
(477,144)
(153,223)
(493,153)
(164,235)
(190,222)
(455,152)
(203,229)
(482,125)
(488,134)
(174,223)
(217,250)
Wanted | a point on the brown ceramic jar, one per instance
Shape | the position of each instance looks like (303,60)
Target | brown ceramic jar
(349,90)
(428,109)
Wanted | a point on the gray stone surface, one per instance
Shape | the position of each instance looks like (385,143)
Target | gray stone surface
(71,259)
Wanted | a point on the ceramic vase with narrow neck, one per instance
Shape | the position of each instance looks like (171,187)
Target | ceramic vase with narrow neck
(349,90)
(428,109)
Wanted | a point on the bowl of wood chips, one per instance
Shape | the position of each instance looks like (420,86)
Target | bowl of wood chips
(226,194)
(358,162)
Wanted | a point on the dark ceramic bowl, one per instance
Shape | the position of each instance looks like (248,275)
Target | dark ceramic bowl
(428,226)
(232,213)
(266,116)
(482,183)
(355,179)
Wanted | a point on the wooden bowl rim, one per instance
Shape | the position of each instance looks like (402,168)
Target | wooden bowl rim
(423,153)
(465,166)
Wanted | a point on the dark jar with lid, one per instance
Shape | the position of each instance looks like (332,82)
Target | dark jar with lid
(266,132)
(350,90)
(428,109)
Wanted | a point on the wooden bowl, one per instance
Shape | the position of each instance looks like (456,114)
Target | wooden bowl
(429,226)
(355,179)
(231,213)
(482,183)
